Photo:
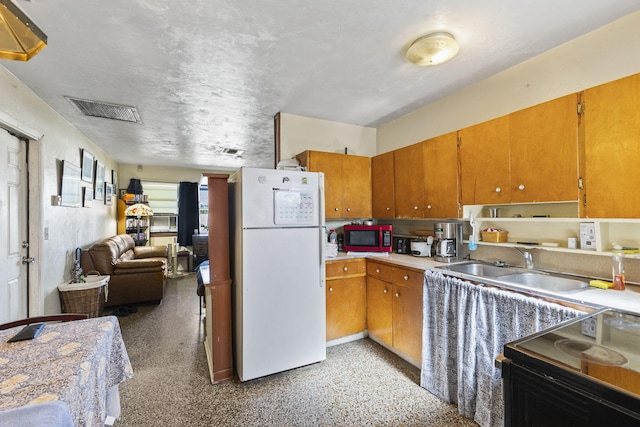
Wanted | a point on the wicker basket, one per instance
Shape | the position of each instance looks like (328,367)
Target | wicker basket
(87,298)
(494,236)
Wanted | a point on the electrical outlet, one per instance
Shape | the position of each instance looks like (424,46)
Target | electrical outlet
(589,327)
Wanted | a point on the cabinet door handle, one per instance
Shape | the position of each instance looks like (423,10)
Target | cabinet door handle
(377,270)
(397,294)
(406,277)
(330,289)
(348,209)
(415,208)
(521,187)
(428,206)
(345,269)
(498,189)
(336,209)
(388,209)
(385,290)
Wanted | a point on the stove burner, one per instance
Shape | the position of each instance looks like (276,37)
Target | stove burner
(592,353)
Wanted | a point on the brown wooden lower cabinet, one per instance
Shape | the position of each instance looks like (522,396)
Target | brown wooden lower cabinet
(394,307)
(346,298)
(379,310)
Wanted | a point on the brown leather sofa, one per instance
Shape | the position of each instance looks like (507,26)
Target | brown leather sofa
(138,273)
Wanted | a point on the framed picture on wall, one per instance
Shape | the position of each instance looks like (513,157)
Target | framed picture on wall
(114,181)
(87,200)
(98,193)
(108,193)
(71,189)
(87,166)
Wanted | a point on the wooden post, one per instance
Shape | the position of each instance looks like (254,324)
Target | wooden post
(218,343)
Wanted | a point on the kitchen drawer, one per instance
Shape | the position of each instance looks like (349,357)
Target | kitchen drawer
(409,278)
(346,268)
(379,271)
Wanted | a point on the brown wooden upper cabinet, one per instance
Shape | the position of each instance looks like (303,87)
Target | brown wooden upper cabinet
(527,156)
(484,163)
(409,181)
(347,181)
(382,187)
(612,151)
(544,151)
(426,178)
(440,179)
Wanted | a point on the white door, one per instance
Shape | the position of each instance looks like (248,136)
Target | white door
(13,228)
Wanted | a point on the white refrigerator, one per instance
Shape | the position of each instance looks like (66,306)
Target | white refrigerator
(278,272)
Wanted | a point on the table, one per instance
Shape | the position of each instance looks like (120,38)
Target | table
(80,363)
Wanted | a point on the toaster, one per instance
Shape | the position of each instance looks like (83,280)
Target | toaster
(420,248)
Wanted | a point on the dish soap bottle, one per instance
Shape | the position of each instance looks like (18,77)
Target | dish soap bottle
(617,265)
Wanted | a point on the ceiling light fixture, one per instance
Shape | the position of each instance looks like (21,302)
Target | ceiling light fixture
(432,49)
(20,38)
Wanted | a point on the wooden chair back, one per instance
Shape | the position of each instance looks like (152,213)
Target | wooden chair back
(64,317)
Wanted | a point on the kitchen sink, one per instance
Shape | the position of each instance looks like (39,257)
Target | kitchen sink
(545,282)
(519,277)
(479,269)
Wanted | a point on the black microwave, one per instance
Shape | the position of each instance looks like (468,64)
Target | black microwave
(368,238)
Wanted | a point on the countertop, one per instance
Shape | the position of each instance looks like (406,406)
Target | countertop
(627,300)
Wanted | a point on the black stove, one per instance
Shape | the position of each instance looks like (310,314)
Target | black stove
(585,371)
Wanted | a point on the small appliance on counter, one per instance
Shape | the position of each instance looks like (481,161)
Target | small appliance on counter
(422,247)
(368,238)
(448,241)
(402,245)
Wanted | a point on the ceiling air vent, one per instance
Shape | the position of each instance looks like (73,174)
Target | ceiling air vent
(105,110)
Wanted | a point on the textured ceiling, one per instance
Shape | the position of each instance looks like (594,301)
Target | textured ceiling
(211,74)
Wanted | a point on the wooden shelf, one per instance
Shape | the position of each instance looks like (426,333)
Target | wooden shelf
(557,228)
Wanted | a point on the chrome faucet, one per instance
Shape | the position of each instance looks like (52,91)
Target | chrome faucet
(528,258)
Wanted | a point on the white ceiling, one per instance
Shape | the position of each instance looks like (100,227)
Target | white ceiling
(210,74)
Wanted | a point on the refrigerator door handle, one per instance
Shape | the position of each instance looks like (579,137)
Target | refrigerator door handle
(321,228)
(323,273)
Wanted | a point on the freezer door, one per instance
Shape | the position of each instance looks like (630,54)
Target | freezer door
(277,198)
(283,302)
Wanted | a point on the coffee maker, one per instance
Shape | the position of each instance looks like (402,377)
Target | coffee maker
(448,241)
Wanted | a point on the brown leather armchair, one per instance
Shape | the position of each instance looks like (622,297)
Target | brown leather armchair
(138,273)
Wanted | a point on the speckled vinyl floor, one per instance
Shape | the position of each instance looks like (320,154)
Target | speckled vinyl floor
(359,384)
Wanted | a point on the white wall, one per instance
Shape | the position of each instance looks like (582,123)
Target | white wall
(159,174)
(601,56)
(68,228)
(298,134)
